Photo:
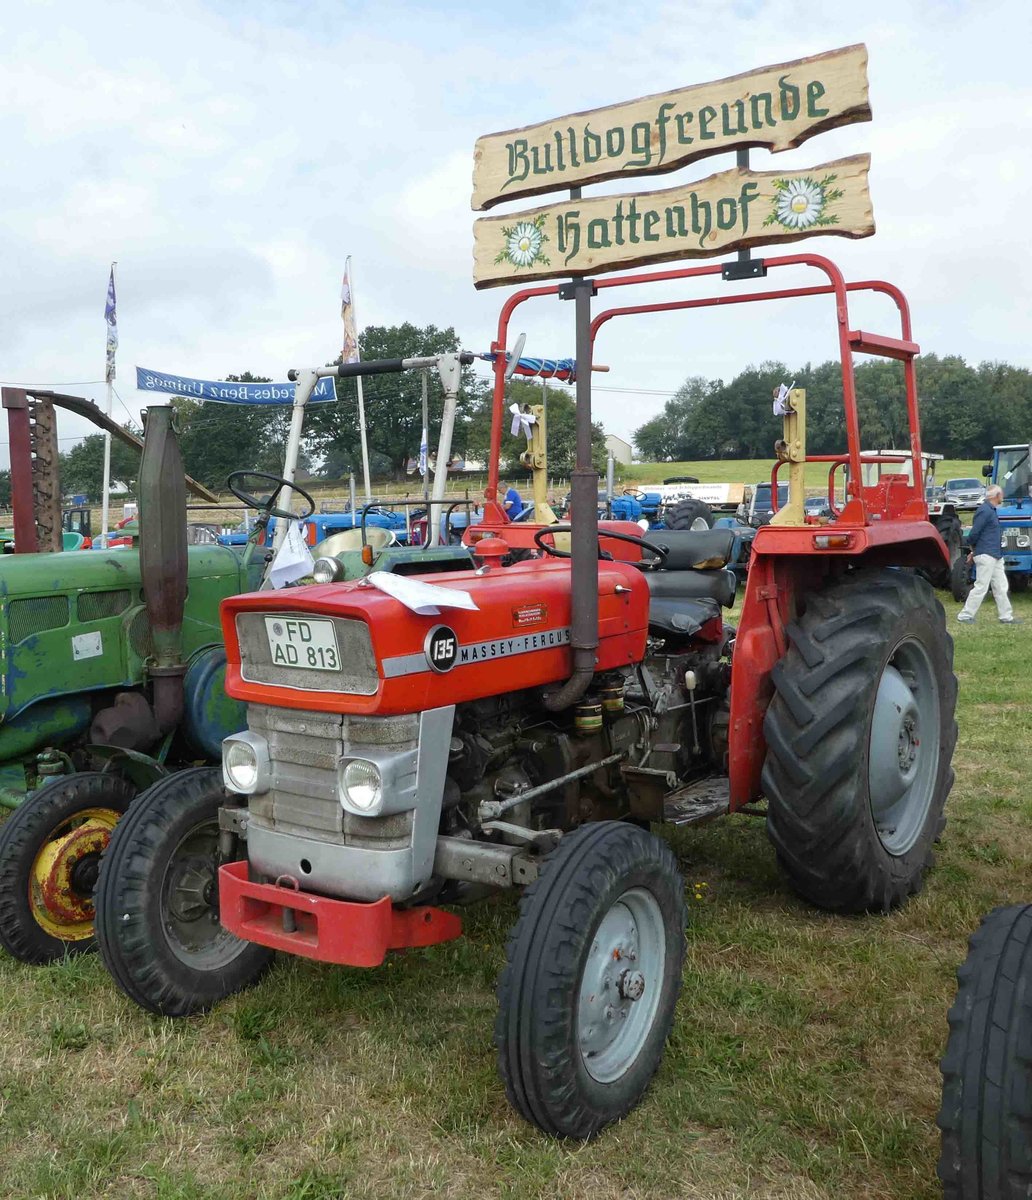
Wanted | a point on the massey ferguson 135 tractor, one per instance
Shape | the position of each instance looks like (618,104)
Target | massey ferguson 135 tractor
(523,725)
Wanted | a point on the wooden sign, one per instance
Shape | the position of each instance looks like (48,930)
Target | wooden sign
(778,107)
(723,212)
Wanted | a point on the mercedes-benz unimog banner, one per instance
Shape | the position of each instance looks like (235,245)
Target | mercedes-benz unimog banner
(223,392)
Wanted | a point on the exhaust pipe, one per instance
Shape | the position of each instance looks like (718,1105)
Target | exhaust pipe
(584,522)
(163,561)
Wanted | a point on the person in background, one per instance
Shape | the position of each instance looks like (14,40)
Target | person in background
(985,544)
(513,505)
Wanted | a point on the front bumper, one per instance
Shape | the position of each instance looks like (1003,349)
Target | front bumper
(349,933)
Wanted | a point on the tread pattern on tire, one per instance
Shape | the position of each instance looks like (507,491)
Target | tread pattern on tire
(986,1114)
(684,512)
(45,809)
(816,745)
(536,1001)
(125,896)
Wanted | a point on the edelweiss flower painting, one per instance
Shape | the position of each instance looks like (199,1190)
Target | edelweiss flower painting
(800,204)
(523,243)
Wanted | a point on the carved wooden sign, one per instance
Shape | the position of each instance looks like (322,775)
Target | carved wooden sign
(723,212)
(778,107)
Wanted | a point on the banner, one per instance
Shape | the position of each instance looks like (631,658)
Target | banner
(778,107)
(349,352)
(729,211)
(112,328)
(227,393)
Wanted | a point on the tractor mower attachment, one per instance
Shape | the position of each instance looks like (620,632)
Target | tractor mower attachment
(526,728)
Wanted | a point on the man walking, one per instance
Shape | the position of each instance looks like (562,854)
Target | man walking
(986,550)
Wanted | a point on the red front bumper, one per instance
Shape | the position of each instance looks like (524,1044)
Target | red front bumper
(353,933)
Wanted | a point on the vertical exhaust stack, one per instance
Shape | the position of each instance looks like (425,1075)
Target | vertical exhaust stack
(163,562)
(584,520)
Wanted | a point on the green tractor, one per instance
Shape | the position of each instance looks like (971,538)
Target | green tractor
(113,670)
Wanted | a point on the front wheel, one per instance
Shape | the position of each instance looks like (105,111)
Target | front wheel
(157,902)
(50,849)
(986,1080)
(860,736)
(586,1000)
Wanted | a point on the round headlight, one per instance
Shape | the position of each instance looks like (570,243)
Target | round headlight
(361,783)
(327,570)
(241,764)
(1023,541)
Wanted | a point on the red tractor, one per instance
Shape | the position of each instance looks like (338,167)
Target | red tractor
(526,720)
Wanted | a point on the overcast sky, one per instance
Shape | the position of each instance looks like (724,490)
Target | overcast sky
(230,156)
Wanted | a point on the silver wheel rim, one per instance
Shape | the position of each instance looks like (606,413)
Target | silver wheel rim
(621,985)
(903,753)
(699,523)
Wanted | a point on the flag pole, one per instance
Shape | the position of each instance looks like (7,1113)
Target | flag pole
(361,399)
(109,375)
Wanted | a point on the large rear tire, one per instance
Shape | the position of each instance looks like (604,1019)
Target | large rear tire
(586,1000)
(50,849)
(986,1114)
(860,736)
(952,533)
(157,902)
(689,514)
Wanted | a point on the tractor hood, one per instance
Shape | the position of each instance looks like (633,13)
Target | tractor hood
(349,647)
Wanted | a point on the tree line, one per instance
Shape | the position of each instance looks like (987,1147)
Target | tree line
(216,439)
(964,410)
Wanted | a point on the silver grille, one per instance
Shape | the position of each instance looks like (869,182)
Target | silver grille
(357,675)
(304,751)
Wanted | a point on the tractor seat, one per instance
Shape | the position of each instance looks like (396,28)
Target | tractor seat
(693,549)
(689,588)
(680,618)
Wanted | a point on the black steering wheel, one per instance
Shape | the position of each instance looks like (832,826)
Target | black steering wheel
(266,503)
(659,553)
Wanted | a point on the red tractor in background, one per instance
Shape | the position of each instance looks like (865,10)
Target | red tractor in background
(525,721)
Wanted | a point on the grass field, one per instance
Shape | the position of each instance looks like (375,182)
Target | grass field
(803,1064)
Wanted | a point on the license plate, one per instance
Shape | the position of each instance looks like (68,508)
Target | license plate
(299,642)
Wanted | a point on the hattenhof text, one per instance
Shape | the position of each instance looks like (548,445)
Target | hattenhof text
(778,107)
(729,211)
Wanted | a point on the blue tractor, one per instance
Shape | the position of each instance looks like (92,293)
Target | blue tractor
(1012,471)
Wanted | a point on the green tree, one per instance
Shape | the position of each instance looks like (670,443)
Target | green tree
(5,489)
(82,468)
(216,439)
(393,403)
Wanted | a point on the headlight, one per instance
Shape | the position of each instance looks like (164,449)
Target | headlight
(327,570)
(1023,541)
(245,764)
(361,787)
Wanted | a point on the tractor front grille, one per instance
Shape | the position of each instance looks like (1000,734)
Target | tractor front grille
(94,606)
(305,749)
(357,674)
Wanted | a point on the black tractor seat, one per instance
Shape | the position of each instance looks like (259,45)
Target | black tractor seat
(688,589)
(693,549)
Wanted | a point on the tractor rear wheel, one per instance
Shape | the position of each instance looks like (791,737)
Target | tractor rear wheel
(860,736)
(960,579)
(50,849)
(689,514)
(952,533)
(157,902)
(586,1000)
(986,1080)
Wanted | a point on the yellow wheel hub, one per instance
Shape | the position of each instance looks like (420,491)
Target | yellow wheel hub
(64,873)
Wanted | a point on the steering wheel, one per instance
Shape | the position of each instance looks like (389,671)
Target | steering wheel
(634,493)
(266,504)
(659,553)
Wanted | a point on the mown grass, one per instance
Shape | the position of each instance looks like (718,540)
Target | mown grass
(803,1064)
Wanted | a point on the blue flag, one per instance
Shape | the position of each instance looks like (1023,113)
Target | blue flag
(112,328)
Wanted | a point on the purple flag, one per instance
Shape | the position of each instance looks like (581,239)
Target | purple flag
(112,327)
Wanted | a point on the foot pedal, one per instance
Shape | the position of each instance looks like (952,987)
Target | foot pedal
(699,801)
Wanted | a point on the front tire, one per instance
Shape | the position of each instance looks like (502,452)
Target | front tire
(689,514)
(157,902)
(987,1068)
(586,1000)
(860,736)
(50,849)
